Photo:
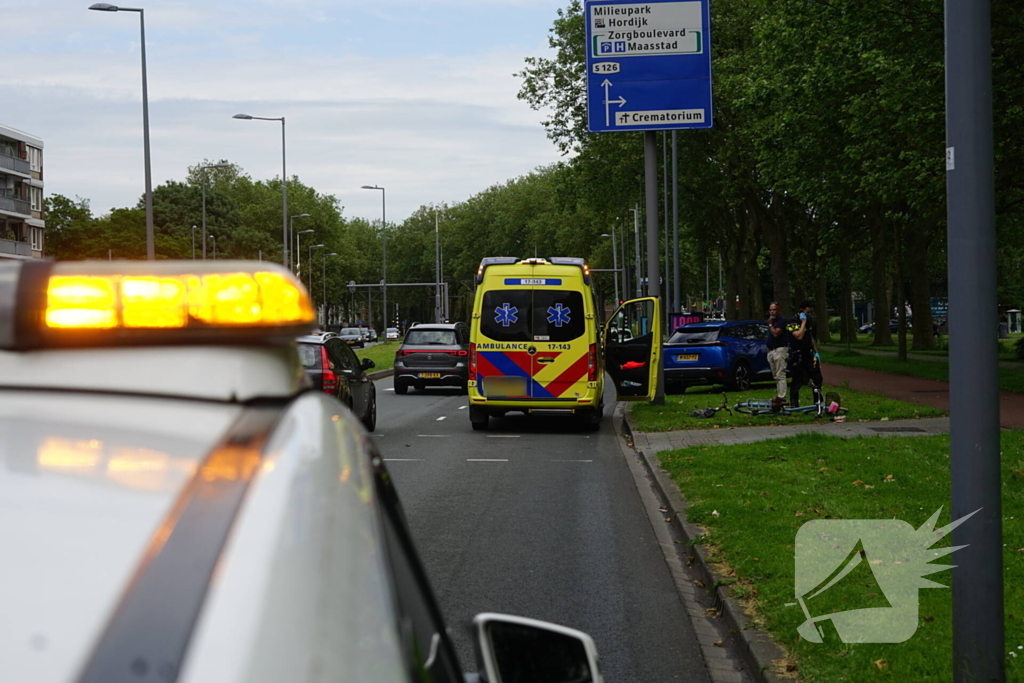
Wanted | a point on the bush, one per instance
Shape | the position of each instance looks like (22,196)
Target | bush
(835,325)
(1019,348)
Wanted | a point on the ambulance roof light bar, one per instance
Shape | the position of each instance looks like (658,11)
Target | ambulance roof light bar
(493,261)
(101,303)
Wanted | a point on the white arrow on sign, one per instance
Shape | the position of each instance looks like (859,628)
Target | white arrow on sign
(620,101)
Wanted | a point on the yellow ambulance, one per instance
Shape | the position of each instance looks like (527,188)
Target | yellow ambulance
(535,347)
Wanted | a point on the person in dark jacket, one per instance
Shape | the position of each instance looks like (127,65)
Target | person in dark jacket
(804,362)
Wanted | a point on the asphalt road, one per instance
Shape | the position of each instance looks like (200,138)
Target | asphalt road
(537,518)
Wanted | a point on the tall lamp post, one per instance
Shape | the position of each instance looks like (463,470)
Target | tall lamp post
(284,181)
(310,259)
(437,272)
(202,171)
(298,238)
(636,236)
(194,242)
(106,7)
(214,247)
(384,246)
(615,263)
(291,231)
(323,283)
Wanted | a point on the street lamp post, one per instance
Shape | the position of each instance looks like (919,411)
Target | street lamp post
(437,271)
(384,246)
(214,247)
(615,263)
(194,242)
(106,7)
(202,172)
(636,236)
(323,283)
(310,259)
(284,181)
(298,239)
(291,231)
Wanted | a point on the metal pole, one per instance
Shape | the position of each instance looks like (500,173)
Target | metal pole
(653,262)
(615,265)
(214,247)
(437,269)
(677,305)
(707,280)
(664,203)
(150,244)
(384,248)
(978,626)
(193,243)
(636,248)
(284,200)
(203,171)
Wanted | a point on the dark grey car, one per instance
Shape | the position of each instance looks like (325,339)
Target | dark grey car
(433,355)
(329,361)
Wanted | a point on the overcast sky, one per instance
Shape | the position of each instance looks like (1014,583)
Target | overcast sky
(417,96)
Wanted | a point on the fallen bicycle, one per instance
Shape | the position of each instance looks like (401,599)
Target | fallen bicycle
(830,405)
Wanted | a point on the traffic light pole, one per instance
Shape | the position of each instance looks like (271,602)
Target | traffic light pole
(978,626)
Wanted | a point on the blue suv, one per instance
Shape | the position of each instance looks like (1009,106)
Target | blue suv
(729,352)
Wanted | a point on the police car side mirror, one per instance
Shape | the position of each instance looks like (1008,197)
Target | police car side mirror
(513,649)
(367,364)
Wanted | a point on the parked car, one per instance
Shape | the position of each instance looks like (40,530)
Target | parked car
(353,336)
(894,326)
(333,368)
(371,334)
(433,355)
(391,334)
(729,352)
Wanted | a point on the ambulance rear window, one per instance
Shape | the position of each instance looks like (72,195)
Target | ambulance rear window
(557,315)
(506,315)
(532,315)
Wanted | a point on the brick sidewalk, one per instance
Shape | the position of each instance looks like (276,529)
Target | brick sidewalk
(915,390)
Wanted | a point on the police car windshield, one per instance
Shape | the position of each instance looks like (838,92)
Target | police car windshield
(431,337)
(694,335)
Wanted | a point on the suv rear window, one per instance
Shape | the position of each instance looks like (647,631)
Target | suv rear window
(694,335)
(533,315)
(431,337)
(309,354)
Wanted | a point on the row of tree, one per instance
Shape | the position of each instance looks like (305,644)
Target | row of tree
(822,179)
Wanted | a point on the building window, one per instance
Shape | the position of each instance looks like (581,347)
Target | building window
(35,158)
(36,196)
(37,239)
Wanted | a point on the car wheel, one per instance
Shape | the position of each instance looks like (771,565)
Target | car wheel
(401,387)
(370,421)
(479,418)
(592,419)
(740,377)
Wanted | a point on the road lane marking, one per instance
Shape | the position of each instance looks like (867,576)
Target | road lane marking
(403,459)
(486,459)
(441,418)
(463,407)
(503,436)
(572,461)
(390,389)
(434,436)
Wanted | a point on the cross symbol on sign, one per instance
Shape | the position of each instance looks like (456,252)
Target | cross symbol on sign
(558,315)
(506,315)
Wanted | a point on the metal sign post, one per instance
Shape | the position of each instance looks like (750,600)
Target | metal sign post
(978,626)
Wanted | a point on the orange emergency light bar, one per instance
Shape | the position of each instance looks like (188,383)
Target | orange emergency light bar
(169,302)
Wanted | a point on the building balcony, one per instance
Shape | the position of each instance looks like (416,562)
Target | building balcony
(15,248)
(18,206)
(15,164)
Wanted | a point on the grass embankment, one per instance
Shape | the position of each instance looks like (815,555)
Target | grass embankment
(382,355)
(675,414)
(753,498)
(1010,379)
(864,342)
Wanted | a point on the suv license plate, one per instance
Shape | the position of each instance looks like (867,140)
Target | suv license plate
(689,356)
(430,375)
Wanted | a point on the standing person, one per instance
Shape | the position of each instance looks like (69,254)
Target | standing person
(804,362)
(778,351)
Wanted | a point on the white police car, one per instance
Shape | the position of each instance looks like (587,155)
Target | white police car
(177,505)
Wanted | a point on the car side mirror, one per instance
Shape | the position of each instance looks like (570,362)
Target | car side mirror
(367,364)
(513,649)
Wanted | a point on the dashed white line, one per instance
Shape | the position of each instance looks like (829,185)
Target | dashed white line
(443,417)
(433,436)
(486,459)
(572,461)
(463,407)
(403,459)
(503,436)
(390,389)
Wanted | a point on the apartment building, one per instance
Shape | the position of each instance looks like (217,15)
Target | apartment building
(22,228)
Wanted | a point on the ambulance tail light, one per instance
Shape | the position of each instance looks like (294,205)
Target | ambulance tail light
(330,384)
(472,362)
(592,363)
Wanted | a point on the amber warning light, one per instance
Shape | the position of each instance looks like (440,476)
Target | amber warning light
(90,303)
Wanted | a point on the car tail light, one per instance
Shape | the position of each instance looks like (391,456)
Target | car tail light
(460,353)
(472,362)
(592,363)
(330,379)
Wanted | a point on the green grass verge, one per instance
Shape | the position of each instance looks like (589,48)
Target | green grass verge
(864,343)
(675,414)
(763,492)
(382,355)
(1010,379)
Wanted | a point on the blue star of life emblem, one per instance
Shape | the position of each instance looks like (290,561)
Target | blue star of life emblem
(506,315)
(558,315)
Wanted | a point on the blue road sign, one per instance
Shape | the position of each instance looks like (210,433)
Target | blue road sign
(648,65)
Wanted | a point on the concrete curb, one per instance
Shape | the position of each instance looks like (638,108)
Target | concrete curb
(380,374)
(756,647)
